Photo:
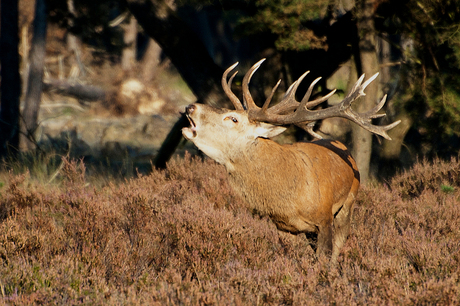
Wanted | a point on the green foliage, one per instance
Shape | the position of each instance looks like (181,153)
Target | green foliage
(447,189)
(433,64)
(446,106)
(287,20)
(91,23)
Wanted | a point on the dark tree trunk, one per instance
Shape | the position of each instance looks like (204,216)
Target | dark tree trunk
(10,78)
(34,83)
(183,47)
(172,141)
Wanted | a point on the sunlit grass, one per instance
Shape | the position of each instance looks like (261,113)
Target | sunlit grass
(181,236)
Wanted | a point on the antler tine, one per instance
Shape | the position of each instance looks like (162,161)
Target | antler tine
(376,129)
(309,104)
(310,90)
(231,79)
(227,87)
(269,99)
(373,112)
(290,93)
(309,128)
(387,128)
(320,100)
(368,81)
(247,98)
(288,102)
(357,84)
(358,89)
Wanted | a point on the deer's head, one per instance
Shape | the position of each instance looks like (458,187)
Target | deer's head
(224,134)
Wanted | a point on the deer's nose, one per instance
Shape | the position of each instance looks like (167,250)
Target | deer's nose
(190,109)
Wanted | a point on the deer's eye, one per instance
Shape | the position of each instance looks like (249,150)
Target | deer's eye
(233,119)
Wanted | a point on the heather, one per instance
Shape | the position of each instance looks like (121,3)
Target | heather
(182,237)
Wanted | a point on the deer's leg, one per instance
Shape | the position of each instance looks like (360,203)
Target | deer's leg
(342,222)
(324,244)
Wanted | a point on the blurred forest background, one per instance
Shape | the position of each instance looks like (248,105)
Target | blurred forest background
(106,80)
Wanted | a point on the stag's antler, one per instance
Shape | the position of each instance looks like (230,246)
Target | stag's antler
(290,111)
(227,86)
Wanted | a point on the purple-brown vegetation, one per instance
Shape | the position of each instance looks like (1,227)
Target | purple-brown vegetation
(181,236)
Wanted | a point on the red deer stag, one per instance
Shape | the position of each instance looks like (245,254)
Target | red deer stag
(305,187)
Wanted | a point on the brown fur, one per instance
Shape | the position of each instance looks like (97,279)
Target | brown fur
(306,187)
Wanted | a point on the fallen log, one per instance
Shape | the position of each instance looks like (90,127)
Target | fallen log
(76,90)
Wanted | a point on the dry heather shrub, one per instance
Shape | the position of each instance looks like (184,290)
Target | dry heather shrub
(407,248)
(21,192)
(433,175)
(181,236)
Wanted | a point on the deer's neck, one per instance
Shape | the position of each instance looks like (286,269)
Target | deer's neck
(259,174)
(254,157)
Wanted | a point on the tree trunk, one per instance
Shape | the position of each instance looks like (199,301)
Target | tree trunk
(10,78)
(391,149)
(172,141)
(25,59)
(34,84)
(151,61)
(390,156)
(128,55)
(72,41)
(362,139)
(183,47)
(385,58)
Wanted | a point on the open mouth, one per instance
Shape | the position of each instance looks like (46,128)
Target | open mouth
(189,132)
(192,123)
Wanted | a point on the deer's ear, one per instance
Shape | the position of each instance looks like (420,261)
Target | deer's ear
(266,130)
